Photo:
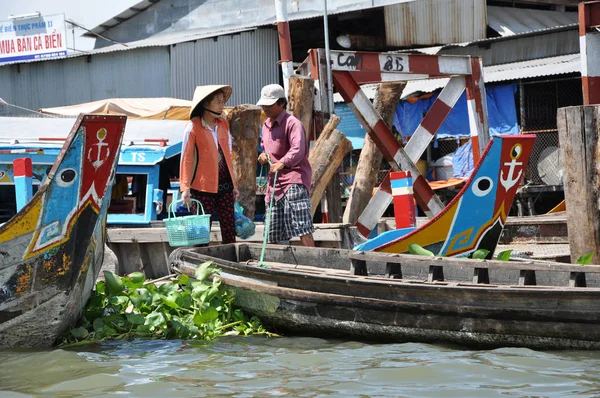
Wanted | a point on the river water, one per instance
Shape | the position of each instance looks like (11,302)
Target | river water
(295,367)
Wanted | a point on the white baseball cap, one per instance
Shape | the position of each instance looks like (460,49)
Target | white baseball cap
(270,94)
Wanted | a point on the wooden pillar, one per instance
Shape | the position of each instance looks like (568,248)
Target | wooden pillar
(244,124)
(385,102)
(578,129)
(334,199)
(325,159)
(300,101)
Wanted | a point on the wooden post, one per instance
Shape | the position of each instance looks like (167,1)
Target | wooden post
(244,124)
(23,175)
(386,101)
(325,158)
(578,129)
(334,199)
(300,101)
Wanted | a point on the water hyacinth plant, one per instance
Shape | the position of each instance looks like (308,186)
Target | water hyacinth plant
(185,308)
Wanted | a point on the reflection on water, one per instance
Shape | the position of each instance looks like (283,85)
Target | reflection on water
(295,367)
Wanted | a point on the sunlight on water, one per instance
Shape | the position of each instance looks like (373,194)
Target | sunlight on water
(295,367)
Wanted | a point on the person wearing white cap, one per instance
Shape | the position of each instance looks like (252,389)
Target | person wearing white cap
(206,168)
(286,148)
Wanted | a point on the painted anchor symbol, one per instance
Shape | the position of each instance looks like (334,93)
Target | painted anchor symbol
(101,135)
(511,181)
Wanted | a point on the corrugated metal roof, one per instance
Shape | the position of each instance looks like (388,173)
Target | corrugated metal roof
(236,13)
(495,73)
(427,22)
(509,21)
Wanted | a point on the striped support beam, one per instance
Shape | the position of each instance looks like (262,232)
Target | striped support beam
(23,185)
(589,48)
(404,205)
(392,151)
(368,67)
(477,108)
(433,120)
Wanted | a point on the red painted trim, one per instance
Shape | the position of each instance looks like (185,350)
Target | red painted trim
(589,16)
(435,116)
(424,64)
(591,89)
(285,41)
(423,192)
(364,231)
(386,184)
(22,167)
(313,56)
(398,175)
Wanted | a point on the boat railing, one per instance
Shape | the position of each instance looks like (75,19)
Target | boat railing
(480,268)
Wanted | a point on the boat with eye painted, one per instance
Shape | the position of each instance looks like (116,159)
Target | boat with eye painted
(51,251)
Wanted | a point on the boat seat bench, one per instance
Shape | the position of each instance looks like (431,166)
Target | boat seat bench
(435,265)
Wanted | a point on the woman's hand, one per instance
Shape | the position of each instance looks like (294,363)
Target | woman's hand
(236,194)
(263,158)
(186,197)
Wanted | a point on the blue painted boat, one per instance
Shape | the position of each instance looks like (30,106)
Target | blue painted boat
(148,156)
(51,251)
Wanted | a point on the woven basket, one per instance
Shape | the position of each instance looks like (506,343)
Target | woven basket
(188,230)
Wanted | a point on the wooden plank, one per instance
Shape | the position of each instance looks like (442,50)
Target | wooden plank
(578,136)
(469,263)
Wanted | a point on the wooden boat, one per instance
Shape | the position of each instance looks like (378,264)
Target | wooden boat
(51,251)
(400,297)
(474,219)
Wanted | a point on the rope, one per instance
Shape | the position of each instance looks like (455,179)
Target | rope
(267,220)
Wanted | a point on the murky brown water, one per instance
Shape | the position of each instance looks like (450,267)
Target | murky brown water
(295,367)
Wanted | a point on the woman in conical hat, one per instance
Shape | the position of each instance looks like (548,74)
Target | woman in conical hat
(206,170)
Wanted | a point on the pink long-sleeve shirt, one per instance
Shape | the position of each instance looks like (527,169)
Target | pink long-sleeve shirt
(284,140)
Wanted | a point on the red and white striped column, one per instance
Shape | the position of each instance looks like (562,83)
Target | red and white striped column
(589,48)
(390,148)
(285,43)
(404,204)
(477,108)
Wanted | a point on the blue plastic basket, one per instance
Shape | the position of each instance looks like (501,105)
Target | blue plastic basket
(188,230)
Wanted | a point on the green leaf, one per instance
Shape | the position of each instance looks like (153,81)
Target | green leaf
(155,319)
(205,270)
(136,300)
(206,316)
(119,300)
(183,279)
(79,333)
(585,259)
(136,319)
(137,277)
(480,254)
(414,248)
(101,287)
(504,255)
(172,299)
(145,295)
(98,325)
(167,288)
(113,283)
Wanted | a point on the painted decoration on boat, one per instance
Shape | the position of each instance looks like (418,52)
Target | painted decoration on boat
(475,218)
(52,250)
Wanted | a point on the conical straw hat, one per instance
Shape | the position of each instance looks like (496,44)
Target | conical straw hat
(202,92)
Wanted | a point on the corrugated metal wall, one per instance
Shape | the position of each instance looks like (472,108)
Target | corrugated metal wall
(133,73)
(522,48)
(246,61)
(431,22)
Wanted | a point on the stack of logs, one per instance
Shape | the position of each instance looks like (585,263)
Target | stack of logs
(325,156)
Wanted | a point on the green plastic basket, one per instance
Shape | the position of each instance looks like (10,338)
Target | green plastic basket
(188,230)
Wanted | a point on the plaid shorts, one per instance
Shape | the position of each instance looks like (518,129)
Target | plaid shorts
(291,216)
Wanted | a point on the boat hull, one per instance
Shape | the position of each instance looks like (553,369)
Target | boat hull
(320,296)
(51,252)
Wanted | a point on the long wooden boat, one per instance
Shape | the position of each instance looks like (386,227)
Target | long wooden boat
(51,251)
(400,297)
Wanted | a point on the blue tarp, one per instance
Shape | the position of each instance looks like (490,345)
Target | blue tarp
(502,116)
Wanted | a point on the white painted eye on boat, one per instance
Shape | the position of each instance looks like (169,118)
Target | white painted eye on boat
(66,178)
(482,186)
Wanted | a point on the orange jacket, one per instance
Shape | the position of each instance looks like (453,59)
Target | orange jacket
(199,167)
